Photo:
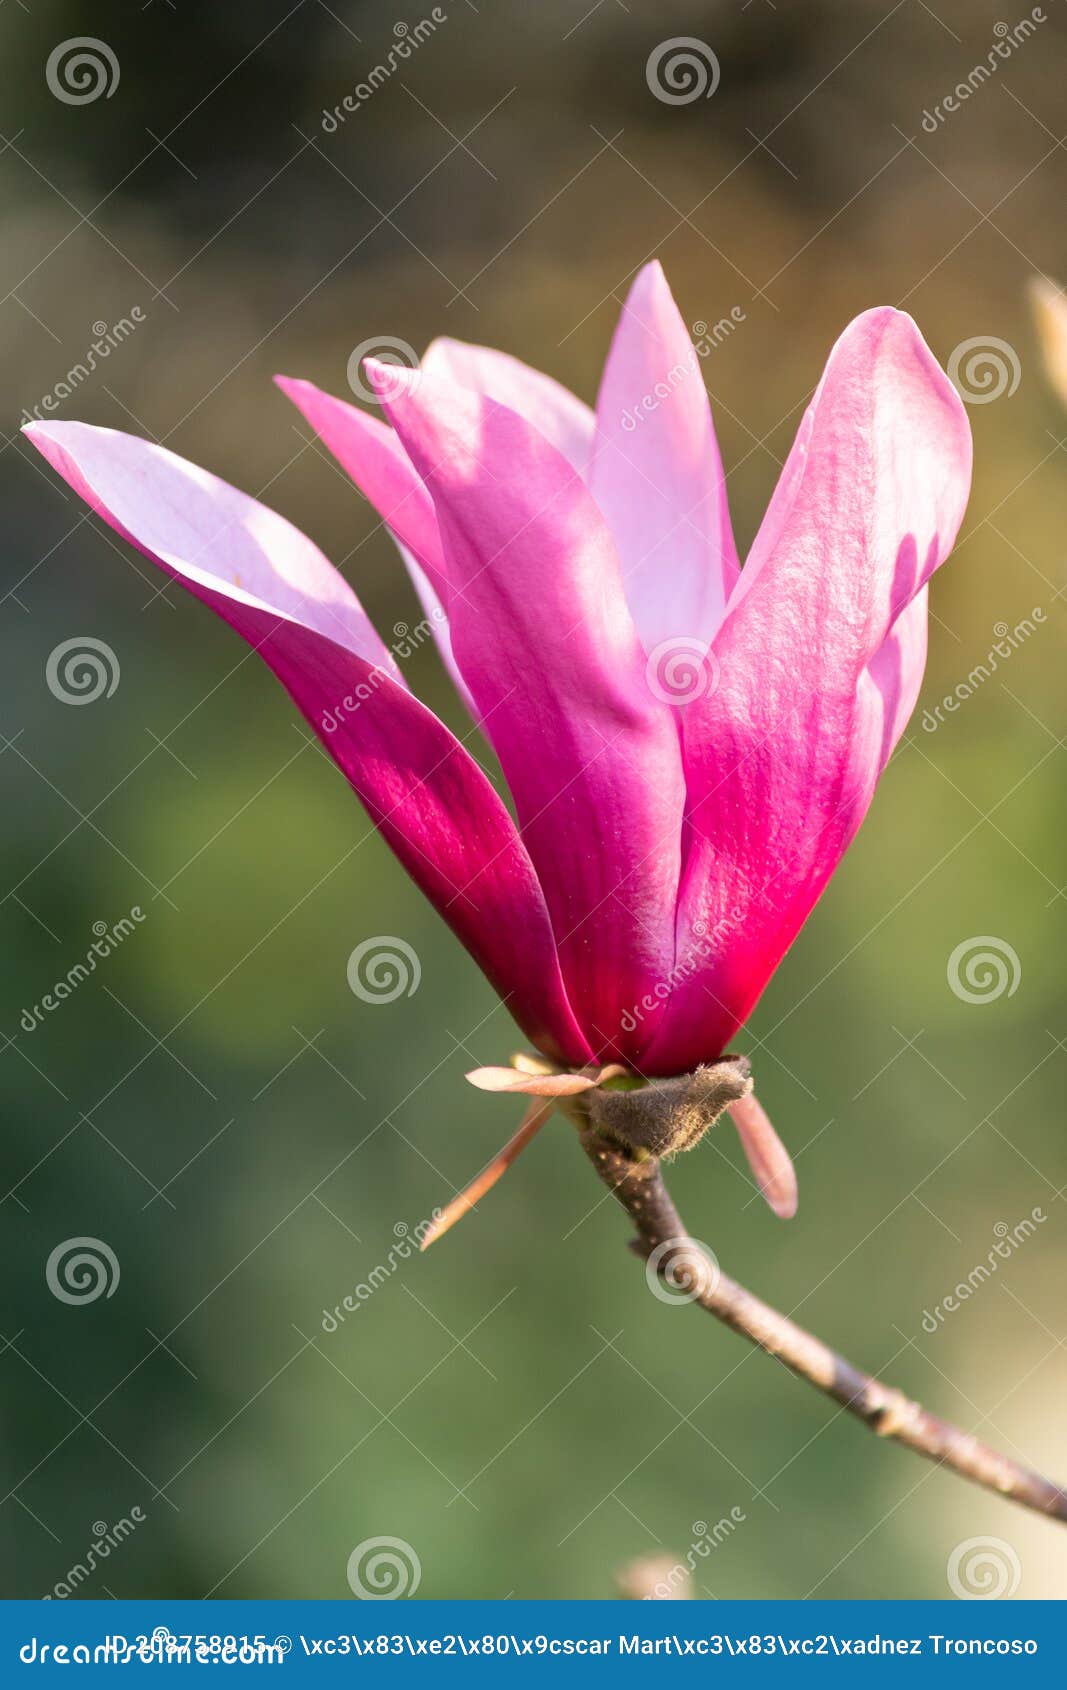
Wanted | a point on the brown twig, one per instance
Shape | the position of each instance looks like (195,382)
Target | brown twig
(637,1182)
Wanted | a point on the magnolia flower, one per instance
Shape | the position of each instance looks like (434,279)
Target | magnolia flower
(689,747)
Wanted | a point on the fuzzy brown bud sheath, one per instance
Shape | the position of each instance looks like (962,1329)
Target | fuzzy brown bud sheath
(635,1179)
(670,1115)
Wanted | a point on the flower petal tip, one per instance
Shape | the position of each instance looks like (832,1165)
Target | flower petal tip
(770,1162)
(651,274)
(490,1079)
(531,1085)
(1044,292)
(48,440)
(390,380)
(782,1203)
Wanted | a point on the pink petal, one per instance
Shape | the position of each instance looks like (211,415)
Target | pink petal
(552,409)
(770,1161)
(374,458)
(422,790)
(657,475)
(896,672)
(436,616)
(818,664)
(542,633)
(531,1085)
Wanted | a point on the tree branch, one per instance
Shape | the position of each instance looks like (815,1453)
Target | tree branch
(637,1182)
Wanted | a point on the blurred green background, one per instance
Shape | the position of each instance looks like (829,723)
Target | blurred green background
(247,1136)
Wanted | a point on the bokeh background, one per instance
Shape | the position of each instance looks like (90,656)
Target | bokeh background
(247,1136)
